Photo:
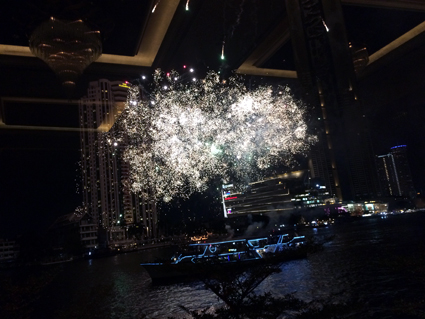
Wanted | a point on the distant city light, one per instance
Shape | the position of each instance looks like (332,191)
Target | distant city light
(143,77)
(191,70)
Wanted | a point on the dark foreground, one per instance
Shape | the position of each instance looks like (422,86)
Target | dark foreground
(375,264)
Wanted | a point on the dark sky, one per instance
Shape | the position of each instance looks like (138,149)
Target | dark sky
(402,123)
(39,169)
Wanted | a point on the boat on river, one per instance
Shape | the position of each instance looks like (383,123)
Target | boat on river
(197,258)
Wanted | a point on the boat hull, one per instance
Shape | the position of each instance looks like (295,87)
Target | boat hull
(163,272)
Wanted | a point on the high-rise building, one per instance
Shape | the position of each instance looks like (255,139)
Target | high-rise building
(343,157)
(394,173)
(105,196)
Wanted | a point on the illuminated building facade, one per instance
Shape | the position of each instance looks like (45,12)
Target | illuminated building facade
(282,194)
(77,224)
(394,173)
(137,209)
(366,208)
(105,197)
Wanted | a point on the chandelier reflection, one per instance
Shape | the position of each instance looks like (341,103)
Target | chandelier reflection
(67,47)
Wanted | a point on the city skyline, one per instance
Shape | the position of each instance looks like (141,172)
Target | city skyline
(157,155)
(39,181)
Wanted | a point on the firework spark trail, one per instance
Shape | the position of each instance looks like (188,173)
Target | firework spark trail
(189,133)
(238,19)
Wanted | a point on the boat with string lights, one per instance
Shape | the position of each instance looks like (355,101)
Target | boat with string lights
(195,259)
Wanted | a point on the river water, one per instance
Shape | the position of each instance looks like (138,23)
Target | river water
(376,264)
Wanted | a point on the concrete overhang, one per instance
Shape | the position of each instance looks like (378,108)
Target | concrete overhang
(402,40)
(271,44)
(411,5)
(159,22)
(152,38)
(280,36)
(3,125)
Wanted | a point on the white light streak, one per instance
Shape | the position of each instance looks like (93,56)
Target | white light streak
(181,138)
(154,7)
(326,27)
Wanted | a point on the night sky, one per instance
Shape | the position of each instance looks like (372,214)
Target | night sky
(40,170)
(39,173)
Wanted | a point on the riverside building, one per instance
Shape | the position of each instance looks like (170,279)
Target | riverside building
(105,197)
(285,194)
(394,173)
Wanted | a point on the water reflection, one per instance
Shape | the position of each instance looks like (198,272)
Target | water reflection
(374,262)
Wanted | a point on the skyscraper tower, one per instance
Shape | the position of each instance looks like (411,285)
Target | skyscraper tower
(343,157)
(394,173)
(105,197)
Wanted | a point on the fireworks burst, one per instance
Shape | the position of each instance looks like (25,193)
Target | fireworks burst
(186,134)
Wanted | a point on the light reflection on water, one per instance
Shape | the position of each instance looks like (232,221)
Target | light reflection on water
(358,264)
